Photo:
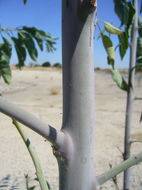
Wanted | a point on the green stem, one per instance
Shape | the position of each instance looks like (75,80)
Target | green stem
(34,157)
(120,168)
(136,141)
(8,29)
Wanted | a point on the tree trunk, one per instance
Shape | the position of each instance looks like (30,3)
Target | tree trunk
(76,169)
(130,97)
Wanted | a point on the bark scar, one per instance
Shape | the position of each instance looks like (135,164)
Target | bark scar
(58,154)
(67,3)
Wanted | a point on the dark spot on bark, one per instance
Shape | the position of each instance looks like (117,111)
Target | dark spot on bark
(52,133)
(28,142)
(67,3)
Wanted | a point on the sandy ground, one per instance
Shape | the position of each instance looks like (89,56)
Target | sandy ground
(34,91)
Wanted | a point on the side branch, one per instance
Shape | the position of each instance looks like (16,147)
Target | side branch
(120,168)
(57,138)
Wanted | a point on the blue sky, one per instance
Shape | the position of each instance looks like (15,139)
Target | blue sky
(46,15)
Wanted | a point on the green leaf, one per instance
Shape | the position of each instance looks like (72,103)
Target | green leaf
(28,43)
(131,14)
(7,47)
(121,83)
(50,41)
(36,35)
(112,29)
(122,10)
(125,11)
(20,50)
(45,34)
(31,188)
(5,54)
(25,1)
(3,57)
(6,74)
(108,45)
(5,71)
(50,46)
(123,44)
(114,179)
(40,36)
(140,25)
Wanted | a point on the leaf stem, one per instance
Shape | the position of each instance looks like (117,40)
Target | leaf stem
(134,141)
(8,29)
(34,157)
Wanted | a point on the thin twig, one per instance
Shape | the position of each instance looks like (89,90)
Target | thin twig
(136,141)
(39,172)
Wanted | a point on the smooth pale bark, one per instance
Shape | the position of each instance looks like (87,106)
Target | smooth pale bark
(57,138)
(130,97)
(76,171)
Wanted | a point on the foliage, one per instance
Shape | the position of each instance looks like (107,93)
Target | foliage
(125,11)
(123,44)
(58,65)
(120,81)
(112,29)
(46,64)
(25,1)
(24,39)
(109,47)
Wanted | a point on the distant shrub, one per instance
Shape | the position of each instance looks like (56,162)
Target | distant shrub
(46,64)
(31,64)
(57,65)
(97,69)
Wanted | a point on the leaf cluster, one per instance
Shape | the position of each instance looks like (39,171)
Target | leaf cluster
(26,41)
(125,11)
(5,55)
(108,45)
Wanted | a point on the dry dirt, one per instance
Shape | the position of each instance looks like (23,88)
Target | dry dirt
(40,92)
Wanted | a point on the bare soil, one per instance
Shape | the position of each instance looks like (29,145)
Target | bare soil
(40,92)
